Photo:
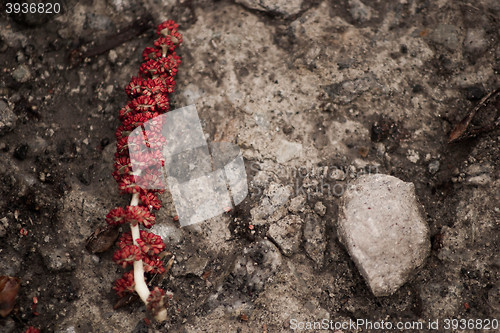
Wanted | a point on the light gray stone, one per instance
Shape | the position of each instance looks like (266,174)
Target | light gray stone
(7,117)
(195,265)
(475,41)
(381,226)
(359,11)
(275,196)
(170,234)
(22,73)
(347,91)
(434,167)
(315,239)
(483,179)
(4,223)
(446,35)
(297,204)
(287,151)
(282,7)
(337,174)
(98,22)
(320,208)
(286,233)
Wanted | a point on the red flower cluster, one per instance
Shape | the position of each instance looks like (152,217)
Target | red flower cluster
(148,93)
(31,329)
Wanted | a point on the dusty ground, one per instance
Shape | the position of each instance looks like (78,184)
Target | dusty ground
(305,89)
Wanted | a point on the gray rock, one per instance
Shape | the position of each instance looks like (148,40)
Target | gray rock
(195,265)
(383,230)
(112,56)
(348,90)
(275,196)
(287,151)
(297,204)
(315,239)
(337,174)
(478,169)
(286,232)
(57,260)
(13,39)
(282,7)
(483,179)
(171,234)
(98,22)
(320,208)
(259,261)
(4,223)
(475,41)
(7,118)
(446,35)
(434,167)
(21,73)
(121,5)
(359,11)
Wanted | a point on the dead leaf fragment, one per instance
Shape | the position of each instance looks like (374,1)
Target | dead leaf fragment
(9,286)
(102,239)
(484,117)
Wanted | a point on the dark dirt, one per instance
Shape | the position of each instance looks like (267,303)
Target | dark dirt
(319,80)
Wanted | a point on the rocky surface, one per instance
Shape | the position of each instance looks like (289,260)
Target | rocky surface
(381,225)
(285,8)
(316,94)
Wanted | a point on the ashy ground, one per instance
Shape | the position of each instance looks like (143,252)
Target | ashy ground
(314,93)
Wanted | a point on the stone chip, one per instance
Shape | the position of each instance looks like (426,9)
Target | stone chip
(381,226)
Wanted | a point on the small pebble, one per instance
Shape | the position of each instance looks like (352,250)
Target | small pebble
(112,56)
(4,223)
(434,167)
(320,208)
(57,260)
(337,174)
(21,74)
(479,180)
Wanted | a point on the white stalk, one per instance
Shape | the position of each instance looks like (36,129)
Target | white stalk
(140,283)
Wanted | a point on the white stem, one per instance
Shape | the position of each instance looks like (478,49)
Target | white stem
(140,283)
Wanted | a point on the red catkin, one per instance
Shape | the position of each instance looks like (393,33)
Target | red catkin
(148,93)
